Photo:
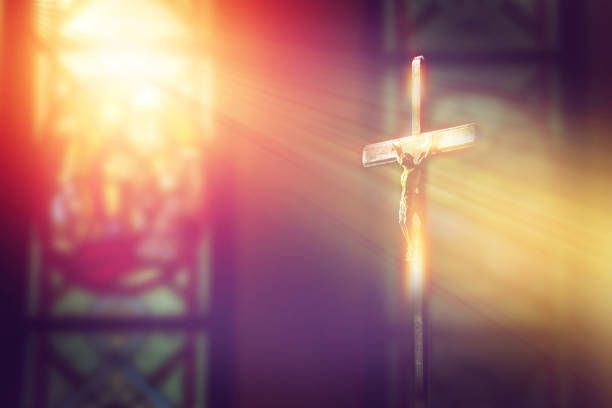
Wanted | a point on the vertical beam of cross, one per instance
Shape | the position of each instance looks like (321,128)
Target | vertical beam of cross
(417,265)
(415,95)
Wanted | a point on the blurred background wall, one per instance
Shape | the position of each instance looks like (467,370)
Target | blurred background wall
(187,222)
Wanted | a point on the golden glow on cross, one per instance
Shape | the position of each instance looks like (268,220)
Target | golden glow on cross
(415,275)
(416,95)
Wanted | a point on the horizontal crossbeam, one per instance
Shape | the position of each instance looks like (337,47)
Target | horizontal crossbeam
(439,141)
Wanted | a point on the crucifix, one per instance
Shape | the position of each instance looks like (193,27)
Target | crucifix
(410,152)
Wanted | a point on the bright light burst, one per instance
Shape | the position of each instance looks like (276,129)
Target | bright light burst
(130,143)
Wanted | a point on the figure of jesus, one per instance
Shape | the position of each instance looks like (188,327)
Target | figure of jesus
(410,181)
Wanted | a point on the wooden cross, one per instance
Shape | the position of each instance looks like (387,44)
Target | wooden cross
(411,151)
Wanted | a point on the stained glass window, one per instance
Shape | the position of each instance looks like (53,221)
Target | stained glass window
(119,283)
